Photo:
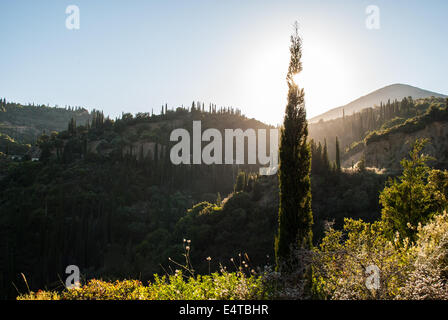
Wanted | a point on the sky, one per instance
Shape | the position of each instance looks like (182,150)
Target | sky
(134,56)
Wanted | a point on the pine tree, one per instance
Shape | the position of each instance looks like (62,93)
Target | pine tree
(409,200)
(326,161)
(317,159)
(218,199)
(240,182)
(295,215)
(72,126)
(338,156)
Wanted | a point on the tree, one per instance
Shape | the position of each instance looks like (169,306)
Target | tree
(295,215)
(326,161)
(409,200)
(240,182)
(361,165)
(72,126)
(218,199)
(338,156)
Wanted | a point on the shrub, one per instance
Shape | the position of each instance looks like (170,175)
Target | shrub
(340,265)
(220,286)
(428,280)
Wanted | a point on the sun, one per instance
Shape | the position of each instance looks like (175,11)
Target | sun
(297,78)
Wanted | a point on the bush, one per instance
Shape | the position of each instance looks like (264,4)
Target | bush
(429,277)
(220,286)
(340,265)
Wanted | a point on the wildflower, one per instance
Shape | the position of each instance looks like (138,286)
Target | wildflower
(209,258)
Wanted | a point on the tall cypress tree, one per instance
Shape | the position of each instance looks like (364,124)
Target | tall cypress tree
(326,160)
(338,156)
(295,215)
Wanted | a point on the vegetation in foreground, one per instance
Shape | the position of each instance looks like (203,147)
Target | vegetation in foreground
(182,284)
(216,286)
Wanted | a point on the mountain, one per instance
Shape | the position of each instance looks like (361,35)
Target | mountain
(395,91)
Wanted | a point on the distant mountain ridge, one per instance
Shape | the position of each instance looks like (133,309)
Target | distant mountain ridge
(395,91)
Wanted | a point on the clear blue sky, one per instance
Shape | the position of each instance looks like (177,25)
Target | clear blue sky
(136,55)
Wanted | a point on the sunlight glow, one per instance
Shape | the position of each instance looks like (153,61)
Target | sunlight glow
(296,78)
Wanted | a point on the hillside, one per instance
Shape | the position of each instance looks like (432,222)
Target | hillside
(107,197)
(391,92)
(352,130)
(24,123)
(385,148)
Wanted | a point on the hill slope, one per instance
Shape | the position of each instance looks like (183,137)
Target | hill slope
(392,92)
(24,123)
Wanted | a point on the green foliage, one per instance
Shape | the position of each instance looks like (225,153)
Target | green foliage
(295,215)
(362,164)
(411,199)
(407,271)
(392,123)
(408,246)
(320,163)
(217,286)
(377,122)
(429,276)
(434,113)
(240,182)
(347,194)
(24,123)
(340,263)
(241,225)
(338,156)
(10,146)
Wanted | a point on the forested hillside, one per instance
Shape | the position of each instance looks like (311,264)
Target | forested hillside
(354,131)
(106,197)
(94,198)
(24,123)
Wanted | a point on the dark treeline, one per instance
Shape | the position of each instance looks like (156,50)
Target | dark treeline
(144,141)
